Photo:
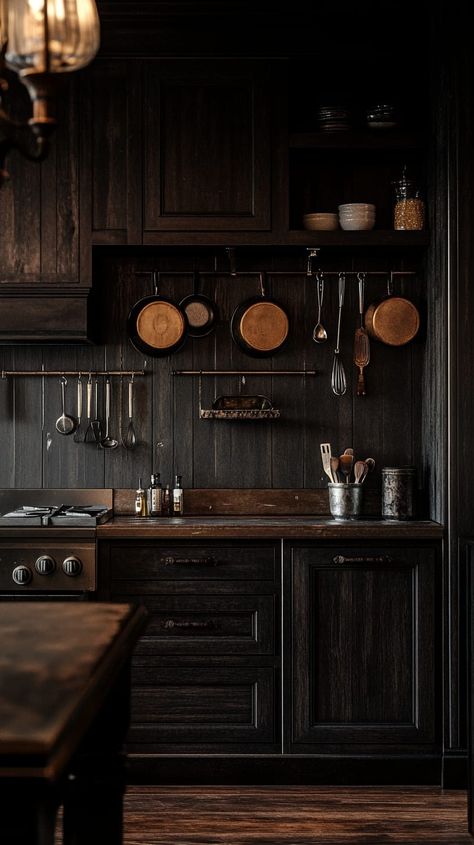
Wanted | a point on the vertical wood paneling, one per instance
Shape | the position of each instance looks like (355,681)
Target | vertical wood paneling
(171,437)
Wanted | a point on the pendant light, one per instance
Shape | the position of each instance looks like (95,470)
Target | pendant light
(39,40)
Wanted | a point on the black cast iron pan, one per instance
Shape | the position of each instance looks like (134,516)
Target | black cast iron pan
(156,325)
(200,310)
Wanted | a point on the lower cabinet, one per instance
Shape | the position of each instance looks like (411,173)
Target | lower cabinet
(353,674)
(206,673)
(363,649)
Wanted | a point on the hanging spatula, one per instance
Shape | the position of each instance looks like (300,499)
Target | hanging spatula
(361,341)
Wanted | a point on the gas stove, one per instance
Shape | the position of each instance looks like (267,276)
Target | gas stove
(47,542)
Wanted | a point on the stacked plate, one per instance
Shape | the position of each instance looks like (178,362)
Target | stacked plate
(381,116)
(323,221)
(333,118)
(355,216)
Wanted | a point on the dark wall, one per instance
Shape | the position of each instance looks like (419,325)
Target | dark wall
(281,453)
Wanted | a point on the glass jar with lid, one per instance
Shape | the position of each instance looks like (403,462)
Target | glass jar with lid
(409,207)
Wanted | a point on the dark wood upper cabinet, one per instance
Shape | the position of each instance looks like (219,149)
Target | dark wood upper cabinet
(207,147)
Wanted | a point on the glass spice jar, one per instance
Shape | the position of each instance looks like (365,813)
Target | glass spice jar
(409,208)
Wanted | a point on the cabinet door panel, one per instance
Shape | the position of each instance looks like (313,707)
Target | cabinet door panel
(193,709)
(207,147)
(364,648)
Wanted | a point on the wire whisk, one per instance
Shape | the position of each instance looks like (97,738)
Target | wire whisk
(338,376)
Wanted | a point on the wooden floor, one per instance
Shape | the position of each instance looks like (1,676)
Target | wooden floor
(293,816)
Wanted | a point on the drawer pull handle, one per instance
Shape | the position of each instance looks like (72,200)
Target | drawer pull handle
(188,561)
(168,624)
(362,559)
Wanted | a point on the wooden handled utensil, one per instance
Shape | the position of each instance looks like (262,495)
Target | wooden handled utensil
(326,459)
(361,341)
(345,465)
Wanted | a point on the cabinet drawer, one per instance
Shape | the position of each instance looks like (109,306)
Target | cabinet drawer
(183,625)
(378,556)
(182,709)
(193,562)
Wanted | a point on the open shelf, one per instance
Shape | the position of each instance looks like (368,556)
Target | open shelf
(375,237)
(382,139)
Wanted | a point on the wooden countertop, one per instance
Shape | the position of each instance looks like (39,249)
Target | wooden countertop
(248,527)
(57,663)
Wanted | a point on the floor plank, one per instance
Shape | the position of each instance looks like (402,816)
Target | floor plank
(294,816)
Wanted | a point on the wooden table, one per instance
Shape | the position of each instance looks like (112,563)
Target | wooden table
(64,712)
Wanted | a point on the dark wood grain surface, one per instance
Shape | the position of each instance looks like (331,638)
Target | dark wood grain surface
(272,528)
(56,660)
(294,816)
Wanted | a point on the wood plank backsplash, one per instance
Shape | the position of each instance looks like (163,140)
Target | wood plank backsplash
(215,454)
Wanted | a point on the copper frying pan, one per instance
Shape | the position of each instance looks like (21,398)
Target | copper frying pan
(156,325)
(260,325)
(393,320)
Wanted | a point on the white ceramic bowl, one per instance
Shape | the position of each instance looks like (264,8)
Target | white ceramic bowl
(356,206)
(357,225)
(353,217)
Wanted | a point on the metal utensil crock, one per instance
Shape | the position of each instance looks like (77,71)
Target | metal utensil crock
(345,501)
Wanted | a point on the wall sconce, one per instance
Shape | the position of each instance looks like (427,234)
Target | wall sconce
(40,39)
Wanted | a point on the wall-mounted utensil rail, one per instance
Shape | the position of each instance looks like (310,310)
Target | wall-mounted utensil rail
(244,372)
(74,373)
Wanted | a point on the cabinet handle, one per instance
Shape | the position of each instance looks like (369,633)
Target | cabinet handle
(188,561)
(172,623)
(362,559)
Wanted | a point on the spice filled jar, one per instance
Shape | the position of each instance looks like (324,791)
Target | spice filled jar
(409,207)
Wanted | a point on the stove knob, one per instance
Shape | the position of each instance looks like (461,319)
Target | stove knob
(72,566)
(22,575)
(45,565)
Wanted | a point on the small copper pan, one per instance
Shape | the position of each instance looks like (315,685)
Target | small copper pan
(393,320)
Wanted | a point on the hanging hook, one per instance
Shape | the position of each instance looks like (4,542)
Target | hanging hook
(230,250)
(156,280)
(262,275)
(390,284)
(311,252)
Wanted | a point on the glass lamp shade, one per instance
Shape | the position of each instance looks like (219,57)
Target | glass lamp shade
(50,36)
(3,23)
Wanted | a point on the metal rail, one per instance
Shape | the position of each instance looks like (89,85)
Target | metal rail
(244,372)
(77,373)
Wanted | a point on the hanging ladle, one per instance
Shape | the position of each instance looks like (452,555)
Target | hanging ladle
(108,442)
(319,332)
(65,424)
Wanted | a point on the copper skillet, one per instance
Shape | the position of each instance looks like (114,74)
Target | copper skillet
(156,325)
(260,325)
(393,320)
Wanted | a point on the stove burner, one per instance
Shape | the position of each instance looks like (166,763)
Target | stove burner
(69,516)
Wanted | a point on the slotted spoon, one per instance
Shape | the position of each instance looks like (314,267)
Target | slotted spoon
(338,376)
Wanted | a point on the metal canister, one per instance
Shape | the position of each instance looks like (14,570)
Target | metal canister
(398,492)
(345,501)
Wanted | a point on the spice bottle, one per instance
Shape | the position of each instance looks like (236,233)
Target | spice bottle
(178,502)
(409,208)
(166,501)
(141,508)
(155,495)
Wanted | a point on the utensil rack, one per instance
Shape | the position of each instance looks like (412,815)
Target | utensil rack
(74,373)
(236,413)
